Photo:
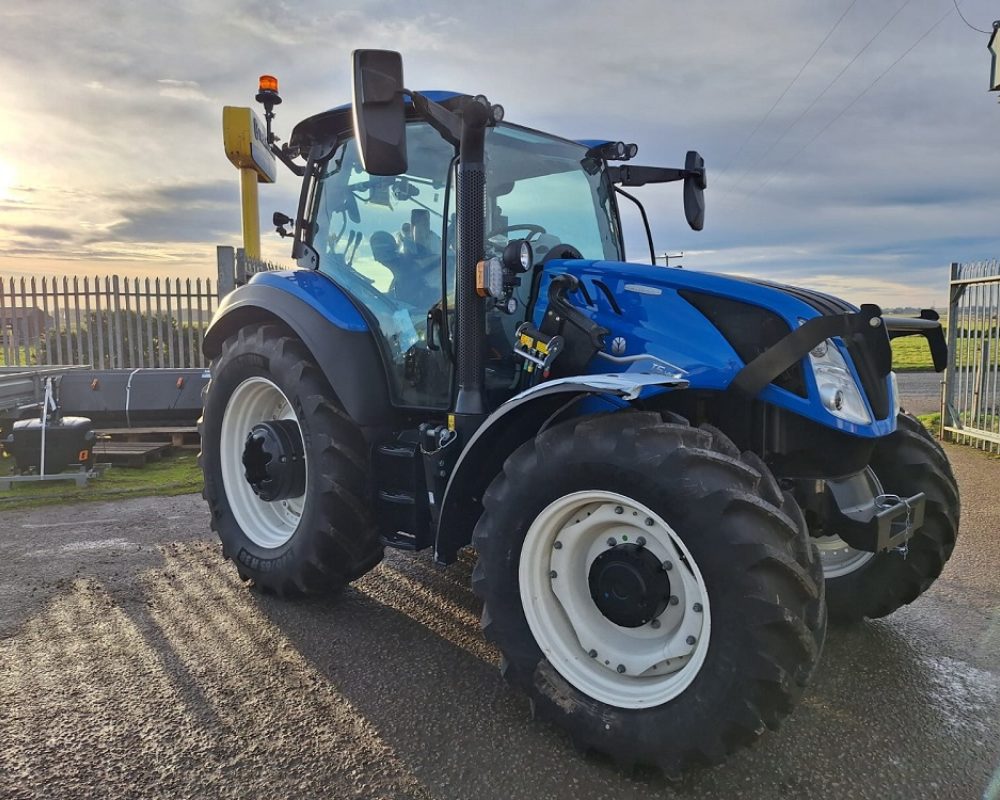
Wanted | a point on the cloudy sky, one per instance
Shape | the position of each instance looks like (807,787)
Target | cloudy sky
(869,176)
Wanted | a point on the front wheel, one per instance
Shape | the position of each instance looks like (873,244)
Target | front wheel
(861,584)
(647,590)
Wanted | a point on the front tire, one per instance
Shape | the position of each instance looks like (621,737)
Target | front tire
(318,535)
(860,584)
(743,626)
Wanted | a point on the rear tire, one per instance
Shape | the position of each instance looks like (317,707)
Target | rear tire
(763,602)
(311,544)
(907,462)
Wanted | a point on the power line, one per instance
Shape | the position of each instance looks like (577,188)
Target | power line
(846,108)
(967,21)
(781,97)
(818,97)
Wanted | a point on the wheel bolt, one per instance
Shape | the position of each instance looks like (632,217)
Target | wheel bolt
(668,565)
(655,623)
(621,668)
(691,640)
(558,545)
(673,600)
(619,510)
(553,574)
(697,606)
(641,541)
(592,653)
(612,542)
(649,522)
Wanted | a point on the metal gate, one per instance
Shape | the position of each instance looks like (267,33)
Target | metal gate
(970,409)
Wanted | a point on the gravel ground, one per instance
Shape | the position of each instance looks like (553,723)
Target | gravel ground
(133,663)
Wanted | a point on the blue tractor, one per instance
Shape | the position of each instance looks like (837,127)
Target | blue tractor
(668,477)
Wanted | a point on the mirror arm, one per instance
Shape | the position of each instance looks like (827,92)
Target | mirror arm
(645,222)
(446,123)
(629,175)
(285,154)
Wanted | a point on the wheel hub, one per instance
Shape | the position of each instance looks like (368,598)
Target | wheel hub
(629,585)
(273,460)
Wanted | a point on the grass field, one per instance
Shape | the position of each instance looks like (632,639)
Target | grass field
(173,475)
(911,354)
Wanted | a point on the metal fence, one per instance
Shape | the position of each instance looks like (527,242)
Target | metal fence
(235,268)
(115,322)
(970,412)
(107,323)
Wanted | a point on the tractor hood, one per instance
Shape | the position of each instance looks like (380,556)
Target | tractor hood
(709,326)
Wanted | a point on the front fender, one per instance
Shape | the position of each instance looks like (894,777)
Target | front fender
(514,423)
(325,319)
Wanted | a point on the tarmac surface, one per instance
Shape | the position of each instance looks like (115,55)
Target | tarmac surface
(921,391)
(133,663)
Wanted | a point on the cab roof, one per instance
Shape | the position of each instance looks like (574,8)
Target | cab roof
(336,122)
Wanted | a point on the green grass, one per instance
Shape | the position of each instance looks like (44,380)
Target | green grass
(932,422)
(173,475)
(911,354)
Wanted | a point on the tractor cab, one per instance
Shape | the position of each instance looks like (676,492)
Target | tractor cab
(391,241)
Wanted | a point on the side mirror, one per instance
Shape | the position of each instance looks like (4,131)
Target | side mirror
(694,190)
(379,114)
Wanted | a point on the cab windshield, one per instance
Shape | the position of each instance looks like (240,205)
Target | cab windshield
(383,233)
(546,190)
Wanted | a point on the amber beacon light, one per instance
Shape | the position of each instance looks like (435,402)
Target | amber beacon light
(268,83)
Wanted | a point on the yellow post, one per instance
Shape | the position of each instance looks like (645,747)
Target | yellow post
(251,212)
(245,139)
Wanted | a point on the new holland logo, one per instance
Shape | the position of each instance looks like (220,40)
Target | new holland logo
(618,345)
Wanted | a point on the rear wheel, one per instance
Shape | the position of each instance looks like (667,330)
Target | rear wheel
(860,584)
(646,589)
(285,470)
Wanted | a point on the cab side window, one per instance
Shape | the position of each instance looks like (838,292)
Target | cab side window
(379,239)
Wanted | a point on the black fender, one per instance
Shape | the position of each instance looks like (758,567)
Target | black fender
(348,356)
(510,426)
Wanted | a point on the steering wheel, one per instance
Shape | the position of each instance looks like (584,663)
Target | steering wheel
(561,251)
(532,230)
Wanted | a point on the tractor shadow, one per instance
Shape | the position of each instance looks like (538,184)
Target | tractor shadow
(403,646)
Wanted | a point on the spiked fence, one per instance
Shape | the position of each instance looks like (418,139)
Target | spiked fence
(106,322)
(970,407)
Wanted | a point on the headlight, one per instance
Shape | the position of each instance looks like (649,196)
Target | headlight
(838,390)
(895,394)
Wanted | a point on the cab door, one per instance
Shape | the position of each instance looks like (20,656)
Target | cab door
(380,239)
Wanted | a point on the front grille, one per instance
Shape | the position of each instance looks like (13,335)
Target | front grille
(870,351)
(750,331)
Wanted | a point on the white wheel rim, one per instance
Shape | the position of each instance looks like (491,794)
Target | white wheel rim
(837,557)
(634,667)
(267,524)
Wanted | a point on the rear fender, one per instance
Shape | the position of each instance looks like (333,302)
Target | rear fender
(514,423)
(325,319)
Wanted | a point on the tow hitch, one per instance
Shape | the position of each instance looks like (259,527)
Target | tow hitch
(867,518)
